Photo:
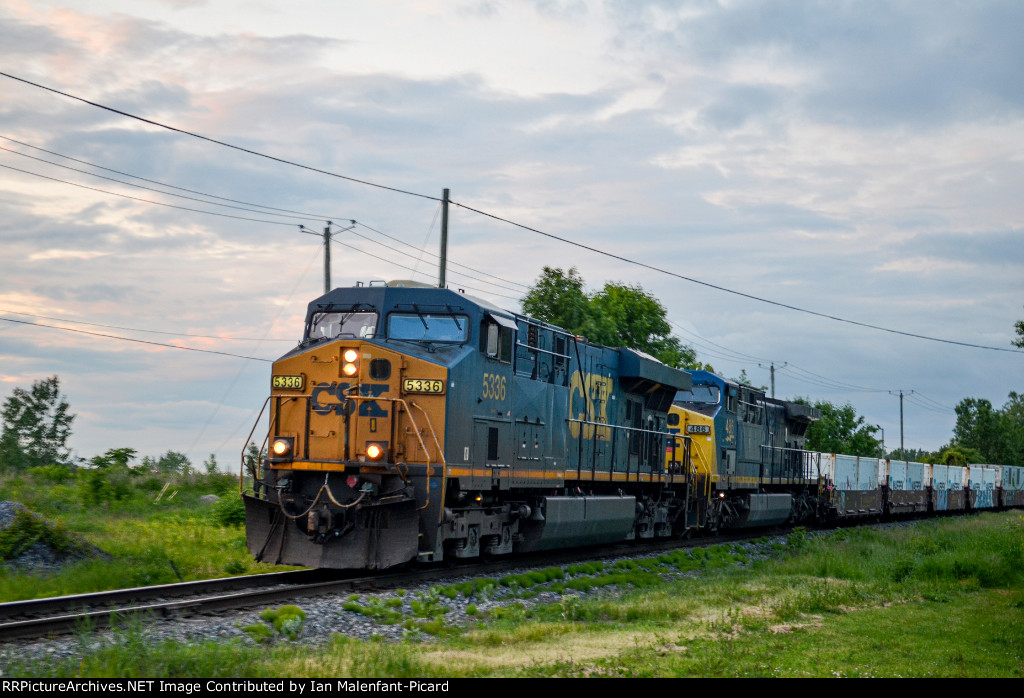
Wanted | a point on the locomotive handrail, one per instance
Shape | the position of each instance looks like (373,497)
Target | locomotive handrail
(440,452)
(241,469)
(416,431)
(783,450)
(543,351)
(653,467)
(259,456)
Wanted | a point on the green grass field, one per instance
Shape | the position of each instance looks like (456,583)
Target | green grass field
(937,598)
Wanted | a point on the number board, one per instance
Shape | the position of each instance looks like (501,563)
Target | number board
(288,382)
(423,385)
(698,429)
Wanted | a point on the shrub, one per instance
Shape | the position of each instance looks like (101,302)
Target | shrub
(26,529)
(229,510)
(286,620)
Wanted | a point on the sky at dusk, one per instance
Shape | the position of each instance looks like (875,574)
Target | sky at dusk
(858,160)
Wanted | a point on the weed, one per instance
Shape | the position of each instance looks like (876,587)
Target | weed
(286,620)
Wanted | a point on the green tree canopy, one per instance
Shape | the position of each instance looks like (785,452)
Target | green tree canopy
(36,427)
(174,462)
(114,458)
(1019,327)
(619,315)
(996,434)
(558,298)
(841,430)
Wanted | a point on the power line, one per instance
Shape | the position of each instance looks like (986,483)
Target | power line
(153,181)
(729,290)
(518,225)
(138,329)
(152,189)
(147,201)
(244,207)
(140,341)
(215,141)
(456,264)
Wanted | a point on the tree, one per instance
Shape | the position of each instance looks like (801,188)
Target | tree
(914,455)
(118,458)
(996,434)
(1013,422)
(174,462)
(558,298)
(618,315)
(251,459)
(841,430)
(211,465)
(744,379)
(952,454)
(1019,327)
(978,427)
(36,427)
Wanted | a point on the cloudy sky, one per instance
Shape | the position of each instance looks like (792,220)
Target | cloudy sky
(855,159)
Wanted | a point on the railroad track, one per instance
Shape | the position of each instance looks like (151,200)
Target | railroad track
(66,614)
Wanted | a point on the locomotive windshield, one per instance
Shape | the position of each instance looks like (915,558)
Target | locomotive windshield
(700,394)
(351,324)
(427,327)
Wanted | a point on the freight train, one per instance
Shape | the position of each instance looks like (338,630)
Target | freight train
(419,423)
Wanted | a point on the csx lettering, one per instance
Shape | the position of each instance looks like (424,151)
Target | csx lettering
(367,408)
(494,386)
(590,392)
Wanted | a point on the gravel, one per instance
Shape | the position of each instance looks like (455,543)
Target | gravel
(324,616)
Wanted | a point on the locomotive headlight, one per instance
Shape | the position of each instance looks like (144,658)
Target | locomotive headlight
(350,367)
(282,447)
(374,451)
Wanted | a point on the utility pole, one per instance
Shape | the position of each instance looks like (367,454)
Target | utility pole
(772,367)
(444,240)
(891,392)
(327,235)
(327,258)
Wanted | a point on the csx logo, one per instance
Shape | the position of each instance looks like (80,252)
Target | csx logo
(588,400)
(321,400)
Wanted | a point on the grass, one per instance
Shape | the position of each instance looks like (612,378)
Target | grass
(155,529)
(942,598)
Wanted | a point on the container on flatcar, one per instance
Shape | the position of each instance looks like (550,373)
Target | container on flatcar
(906,491)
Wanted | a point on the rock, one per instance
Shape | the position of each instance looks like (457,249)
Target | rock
(41,555)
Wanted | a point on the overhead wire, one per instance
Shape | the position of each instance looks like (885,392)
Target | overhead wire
(132,339)
(147,201)
(153,189)
(154,181)
(245,207)
(138,329)
(513,223)
(218,142)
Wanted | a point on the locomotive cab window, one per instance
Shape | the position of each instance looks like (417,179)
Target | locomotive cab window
(353,324)
(428,327)
(496,339)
